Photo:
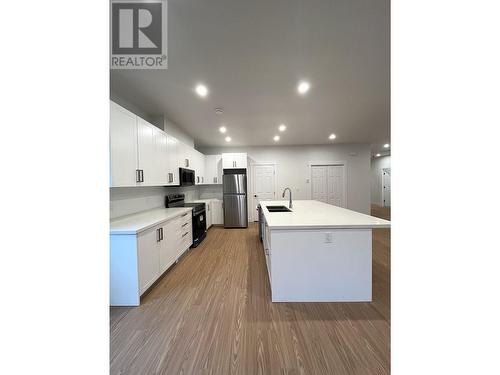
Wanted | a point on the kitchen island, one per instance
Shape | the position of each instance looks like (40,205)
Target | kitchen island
(318,252)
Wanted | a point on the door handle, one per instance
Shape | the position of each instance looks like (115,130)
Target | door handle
(137,175)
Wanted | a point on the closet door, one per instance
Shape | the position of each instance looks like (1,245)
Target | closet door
(328,184)
(319,183)
(336,194)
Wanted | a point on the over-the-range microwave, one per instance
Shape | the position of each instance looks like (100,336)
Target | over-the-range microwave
(186,177)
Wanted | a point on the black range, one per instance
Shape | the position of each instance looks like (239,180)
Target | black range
(199,216)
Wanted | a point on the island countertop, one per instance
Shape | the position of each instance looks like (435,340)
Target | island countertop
(135,223)
(311,214)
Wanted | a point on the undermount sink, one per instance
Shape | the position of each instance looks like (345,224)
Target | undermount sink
(278,209)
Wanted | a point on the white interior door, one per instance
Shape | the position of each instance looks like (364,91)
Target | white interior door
(264,186)
(328,184)
(336,194)
(386,187)
(319,183)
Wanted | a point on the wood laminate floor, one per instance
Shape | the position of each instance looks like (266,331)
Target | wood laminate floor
(212,314)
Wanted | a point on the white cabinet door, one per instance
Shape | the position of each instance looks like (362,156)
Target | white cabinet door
(184,156)
(234,160)
(208,207)
(227,161)
(172,160)
(240,160)
(217,213)
(148,254)
(169,243)
(123,146)
(146,152)
(160,158)
(200,167)
(213,169)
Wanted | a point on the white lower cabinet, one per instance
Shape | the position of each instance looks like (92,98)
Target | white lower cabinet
(213,209)
(138,260)
(148,256)
(169,244)
(217,212)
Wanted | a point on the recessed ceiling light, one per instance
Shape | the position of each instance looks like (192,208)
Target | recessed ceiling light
(282,127)
(222,129)
(201,90)
(303,87)
(378,155)
(332,136)
(228,139)
(276,138)
(386,145)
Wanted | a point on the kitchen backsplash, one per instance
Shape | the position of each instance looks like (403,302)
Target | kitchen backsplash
(130,200)
(210,191)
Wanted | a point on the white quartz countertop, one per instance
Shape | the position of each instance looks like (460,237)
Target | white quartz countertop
(310,214)
(135,223)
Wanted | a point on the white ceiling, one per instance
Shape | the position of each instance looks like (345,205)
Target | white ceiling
(251,54)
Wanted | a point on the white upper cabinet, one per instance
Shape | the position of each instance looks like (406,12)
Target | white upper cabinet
(213,169)
(172,161)
(199,167)
(160,157)
(123,146)
(147,153)
(184,157)
(144,155)
(236,160)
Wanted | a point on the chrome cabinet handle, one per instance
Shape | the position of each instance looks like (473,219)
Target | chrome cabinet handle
(185,234)
(137,175)
(183,225)
(161,234)
(141,175)
(158,235)
(185,214)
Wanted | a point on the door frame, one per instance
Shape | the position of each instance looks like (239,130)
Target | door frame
(325,164)
(254,216)
(382,185)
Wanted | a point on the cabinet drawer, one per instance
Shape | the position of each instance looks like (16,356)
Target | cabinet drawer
(186,239)
(185,218)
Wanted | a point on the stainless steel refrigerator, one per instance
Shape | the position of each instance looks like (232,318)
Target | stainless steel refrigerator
(235,200)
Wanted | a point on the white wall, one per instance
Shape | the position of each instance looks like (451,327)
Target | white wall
(377,165)
(132,108)
(293,167)
(173,129)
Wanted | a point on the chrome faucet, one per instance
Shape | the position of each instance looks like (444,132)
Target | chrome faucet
(283,196)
